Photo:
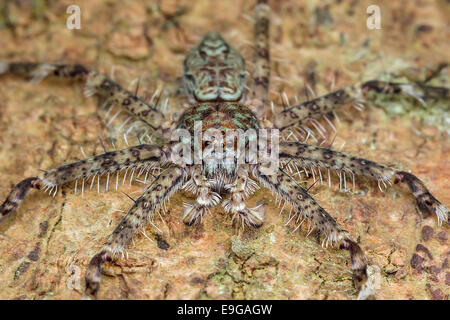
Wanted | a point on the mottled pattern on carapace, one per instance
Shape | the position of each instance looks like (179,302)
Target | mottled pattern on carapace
(221,116)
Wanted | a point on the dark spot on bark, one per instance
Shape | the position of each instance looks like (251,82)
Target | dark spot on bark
(421,247)
(427,233)
(196,280)
(43,227)
(21,269)
(435,294)
(424,28)
(435,270)
(442,236)
(162,244)
(34,255)
(416,261)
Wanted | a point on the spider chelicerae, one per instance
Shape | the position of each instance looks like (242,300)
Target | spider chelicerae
(215,78)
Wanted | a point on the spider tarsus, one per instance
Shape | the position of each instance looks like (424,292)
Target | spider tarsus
(426,202)
(17,195)
(189,223)
(255,225)
(252,217)
(193,211)
(93,273)
(39,71)
(358,263)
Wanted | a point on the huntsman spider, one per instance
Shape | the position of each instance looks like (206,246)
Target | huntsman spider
(215,80)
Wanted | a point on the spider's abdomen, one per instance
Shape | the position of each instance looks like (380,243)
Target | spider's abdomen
(214,71)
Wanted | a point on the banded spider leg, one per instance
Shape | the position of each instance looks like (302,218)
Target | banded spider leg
(304,155)
(305,207)
(308,156)
(300,114)
(142,157)
(261,72)
(95,83)
(144,208)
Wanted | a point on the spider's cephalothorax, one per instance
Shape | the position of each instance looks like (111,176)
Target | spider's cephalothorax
(225,119)
(214,76)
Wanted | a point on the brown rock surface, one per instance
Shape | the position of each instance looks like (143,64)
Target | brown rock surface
(46,245)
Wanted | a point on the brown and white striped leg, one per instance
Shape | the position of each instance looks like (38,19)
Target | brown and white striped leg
(142,157)
(241,188)
(261,72)
(298,115)
(305,207)
(114,94)
(38,71)
(17,194)
(96,83)
(308,156)
(425,201)
(205,196)
(144,208)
